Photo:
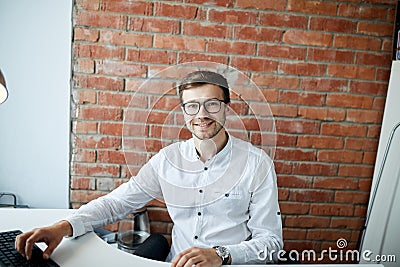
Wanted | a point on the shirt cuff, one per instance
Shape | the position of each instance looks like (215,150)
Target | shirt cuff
(78,227)
(238,255)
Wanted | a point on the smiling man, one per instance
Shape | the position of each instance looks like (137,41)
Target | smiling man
(220,191)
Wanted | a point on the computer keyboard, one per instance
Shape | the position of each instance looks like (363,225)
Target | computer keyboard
(9,256)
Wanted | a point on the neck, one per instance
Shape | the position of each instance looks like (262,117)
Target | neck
(210,147)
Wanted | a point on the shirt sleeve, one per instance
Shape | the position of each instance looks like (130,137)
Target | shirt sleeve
(265,223)
(125,199)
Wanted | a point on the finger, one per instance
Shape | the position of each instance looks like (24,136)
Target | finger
(175,261)
(20,242)
(36,236)
(185,258)
(194,261)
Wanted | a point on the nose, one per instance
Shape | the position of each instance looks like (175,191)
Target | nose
(202,112)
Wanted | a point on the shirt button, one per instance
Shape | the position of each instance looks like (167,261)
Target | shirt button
(200,191)
(196,237)
(205,168)
(227,194)
(199,213)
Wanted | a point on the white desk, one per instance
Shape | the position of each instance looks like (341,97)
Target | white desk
(87,250)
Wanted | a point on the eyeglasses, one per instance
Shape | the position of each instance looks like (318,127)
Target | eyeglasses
(211,106)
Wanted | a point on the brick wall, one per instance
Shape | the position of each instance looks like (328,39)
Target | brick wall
(323,66)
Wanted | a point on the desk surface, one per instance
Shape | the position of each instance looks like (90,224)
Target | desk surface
(87,250)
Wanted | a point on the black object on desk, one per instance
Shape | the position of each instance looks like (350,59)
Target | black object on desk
(9,256)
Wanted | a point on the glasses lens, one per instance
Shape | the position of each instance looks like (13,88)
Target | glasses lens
(212,106)
(191,108)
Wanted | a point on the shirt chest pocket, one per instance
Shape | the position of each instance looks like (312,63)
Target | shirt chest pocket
(232,202)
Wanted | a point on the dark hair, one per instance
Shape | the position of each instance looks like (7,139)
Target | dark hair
(198,78)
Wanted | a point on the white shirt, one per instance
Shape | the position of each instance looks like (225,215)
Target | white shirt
(230,200)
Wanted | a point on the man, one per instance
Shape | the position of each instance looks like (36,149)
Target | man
(220,191)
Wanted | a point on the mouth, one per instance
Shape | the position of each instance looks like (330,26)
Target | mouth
(203,124)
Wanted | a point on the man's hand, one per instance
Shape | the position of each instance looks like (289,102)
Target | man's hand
(51,235)
(197,256)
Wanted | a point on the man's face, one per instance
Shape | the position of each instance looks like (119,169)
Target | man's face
(204,125)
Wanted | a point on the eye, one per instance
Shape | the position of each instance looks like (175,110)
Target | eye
(191,105)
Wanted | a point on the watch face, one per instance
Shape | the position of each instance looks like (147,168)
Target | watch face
(223,251)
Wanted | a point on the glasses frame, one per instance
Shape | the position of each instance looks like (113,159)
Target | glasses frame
(203,104)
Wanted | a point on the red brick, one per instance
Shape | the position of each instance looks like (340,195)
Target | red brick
(295,234)
(356,11)
(283,20)
(103,170)
(83,183)
(361,144)
(232,16)
(231,48)
(307,221)
(331,209)
(283,167)
(330,55)
(307,69)
(369,157)
(111,128)
(371,88)
(340,156)
(85,127)
(338,129)
(282,110)
(100,113)
(301,98)
(83,155)
(158,214)
(312,7)
(100,19)
(149,24)
(324,114)
(373,28)
(374,131)
(360,211)
(347,223)
(374,59)
(176,11)
(351,71)
(382,75)
(179,43)
(311,195)
(91,141)
(149,86)
(307,38)
(190,57)
(278,139)
(364,116)
(118,68)
(257,34)
(120,157)
(278,5)
(114,99)
(351,197)
(315,169)
(295,154)
(357,42)
(130,7)
(365,184)
(297,126)
(223,3)
(125,38)
(294,208)
(83,34)
(84,96)
(84,66)
(327,234)
(88,5)
(333,25)
(102,83)
(349,101)
(283,194)
(151,56)
(294,181)
(281,51)
(254,64)
(356,171)
(170,132)
(276,81)
(319,141)
(98,51)
(323,85)
(335,183)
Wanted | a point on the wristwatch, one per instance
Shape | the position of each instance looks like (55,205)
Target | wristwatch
(223,253)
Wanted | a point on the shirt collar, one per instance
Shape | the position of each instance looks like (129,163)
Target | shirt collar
(225,150)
